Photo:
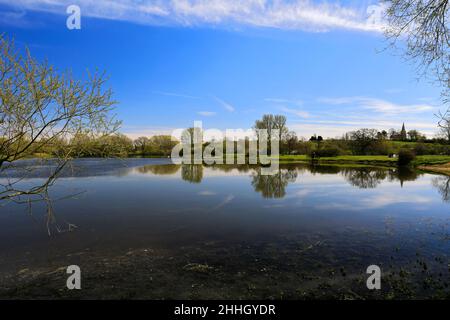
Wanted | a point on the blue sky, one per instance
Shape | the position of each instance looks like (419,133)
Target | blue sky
(323,64)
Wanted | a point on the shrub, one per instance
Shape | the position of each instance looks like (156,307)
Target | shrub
(330,151)
(379,147)
(303,148)
(446,150)
(405,157)
(421,149)
(429,149)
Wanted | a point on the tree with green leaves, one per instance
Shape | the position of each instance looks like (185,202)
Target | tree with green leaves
(40,108)
(291,141)
(141,144)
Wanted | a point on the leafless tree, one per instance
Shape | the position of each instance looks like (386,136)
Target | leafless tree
(442,183)
(423,24)
(444,127)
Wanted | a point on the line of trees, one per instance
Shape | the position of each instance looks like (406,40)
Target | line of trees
(364,141)
(83,145)
(160,145)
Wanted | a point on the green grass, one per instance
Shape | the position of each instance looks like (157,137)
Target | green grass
(376,160)
(340,158)
(430,160)
(343,160)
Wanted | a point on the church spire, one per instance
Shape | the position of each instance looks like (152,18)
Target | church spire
(403,133)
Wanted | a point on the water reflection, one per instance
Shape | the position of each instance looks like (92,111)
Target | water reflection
(273,186)
(365,178)
(243,168)
(192,173)
(442,183)
(297,229)
(168,169)
(369,178)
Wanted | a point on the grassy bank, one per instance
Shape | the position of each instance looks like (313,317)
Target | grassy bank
(434,163)
(369,160)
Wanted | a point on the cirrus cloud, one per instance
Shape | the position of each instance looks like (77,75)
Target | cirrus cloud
(206,113)
(378,105)
(279,14)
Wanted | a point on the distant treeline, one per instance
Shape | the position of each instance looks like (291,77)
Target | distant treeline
(360,142)
(86,145)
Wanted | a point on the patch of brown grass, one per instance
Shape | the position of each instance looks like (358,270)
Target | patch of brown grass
(439,168)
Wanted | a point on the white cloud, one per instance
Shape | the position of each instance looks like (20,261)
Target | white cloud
(134,132)
(174,94)
(388,199)
(378,105)
(352,113)
(298,113)
(336,128)
(206,113)
(284,101)
(224,104)
(280,14)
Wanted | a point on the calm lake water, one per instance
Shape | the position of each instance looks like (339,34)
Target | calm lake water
(304,223)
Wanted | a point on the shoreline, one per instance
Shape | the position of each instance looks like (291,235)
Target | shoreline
(442,169)
(431,163)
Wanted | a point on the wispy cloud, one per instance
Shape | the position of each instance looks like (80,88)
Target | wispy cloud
(225,104)
(146,131)
(206,113)
(173,94)
(284,101)
(280,14)
(378,105)
(15,17)
(298,113)
(332,117)
(336,128)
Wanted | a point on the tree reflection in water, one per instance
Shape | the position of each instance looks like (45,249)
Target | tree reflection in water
(273,186)
(442,183)
(365,178)
(192,173)
(369,178)
(404,174)
(165,169)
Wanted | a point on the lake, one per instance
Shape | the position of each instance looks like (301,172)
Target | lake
(146,228)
